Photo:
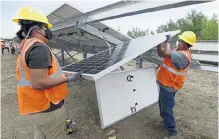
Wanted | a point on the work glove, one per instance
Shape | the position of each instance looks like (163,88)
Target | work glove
(168,38)
(75,77)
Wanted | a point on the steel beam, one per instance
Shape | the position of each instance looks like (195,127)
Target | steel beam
(139,62)
(93,41)
(131,8)
(123,9)
(62,56)
(99,34)
(72,57)
(84,55)
(195,64)
(57,53)
(205,67)
(75,47)
(58,58)
(68,42)
(122,68)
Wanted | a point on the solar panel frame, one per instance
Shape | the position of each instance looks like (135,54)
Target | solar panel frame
(139,48)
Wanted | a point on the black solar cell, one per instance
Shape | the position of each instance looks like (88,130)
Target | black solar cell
(100,61)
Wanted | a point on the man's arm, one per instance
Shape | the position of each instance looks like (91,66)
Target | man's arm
(39,60)
(160,50)
(41,81)
(167,50)
(163,49)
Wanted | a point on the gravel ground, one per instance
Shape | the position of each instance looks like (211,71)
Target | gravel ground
(196,110)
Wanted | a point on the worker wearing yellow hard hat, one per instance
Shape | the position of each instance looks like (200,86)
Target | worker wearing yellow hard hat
(41,84)
(32,17)
(188,37)
(32,14)
(171,76)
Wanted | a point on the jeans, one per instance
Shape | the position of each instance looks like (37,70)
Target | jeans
(166,104)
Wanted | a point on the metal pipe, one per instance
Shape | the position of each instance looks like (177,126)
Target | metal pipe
(84,55)
(122,10)
(62,56)
(70,55)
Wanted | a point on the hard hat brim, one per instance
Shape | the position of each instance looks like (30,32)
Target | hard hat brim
(49,25)
(17,19)
(193,44)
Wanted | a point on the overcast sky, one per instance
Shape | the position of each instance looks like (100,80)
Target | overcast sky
(10,9)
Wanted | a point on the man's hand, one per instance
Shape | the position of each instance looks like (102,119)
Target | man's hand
(167,50)
(74,77)
(168,38)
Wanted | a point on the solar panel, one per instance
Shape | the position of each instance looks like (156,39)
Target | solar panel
(205,57)
(107,61)
(100,61)
(67,13)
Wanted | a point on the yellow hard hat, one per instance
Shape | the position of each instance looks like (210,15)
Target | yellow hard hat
(188,37)
(32,14)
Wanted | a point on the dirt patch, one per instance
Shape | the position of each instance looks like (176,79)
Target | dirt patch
(196,110)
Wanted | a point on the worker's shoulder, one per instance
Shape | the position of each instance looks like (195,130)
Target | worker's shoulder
(39,46)
(178,54)
(179,59)
(38,49)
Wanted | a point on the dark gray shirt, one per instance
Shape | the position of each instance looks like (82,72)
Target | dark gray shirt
(180,61)
(39,57)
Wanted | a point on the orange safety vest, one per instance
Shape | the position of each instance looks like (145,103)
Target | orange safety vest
(32,100)
(169,76)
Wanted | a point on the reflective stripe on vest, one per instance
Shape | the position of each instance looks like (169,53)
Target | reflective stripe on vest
(24,81)
(174,71)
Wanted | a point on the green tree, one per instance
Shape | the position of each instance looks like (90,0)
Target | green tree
(204,28)
(137,32)
(196,22)
(210,28)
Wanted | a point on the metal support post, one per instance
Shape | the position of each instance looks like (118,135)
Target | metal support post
(62,56)
(139,62)
(71,55)
(84,55)
(122,68)
(57,53)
